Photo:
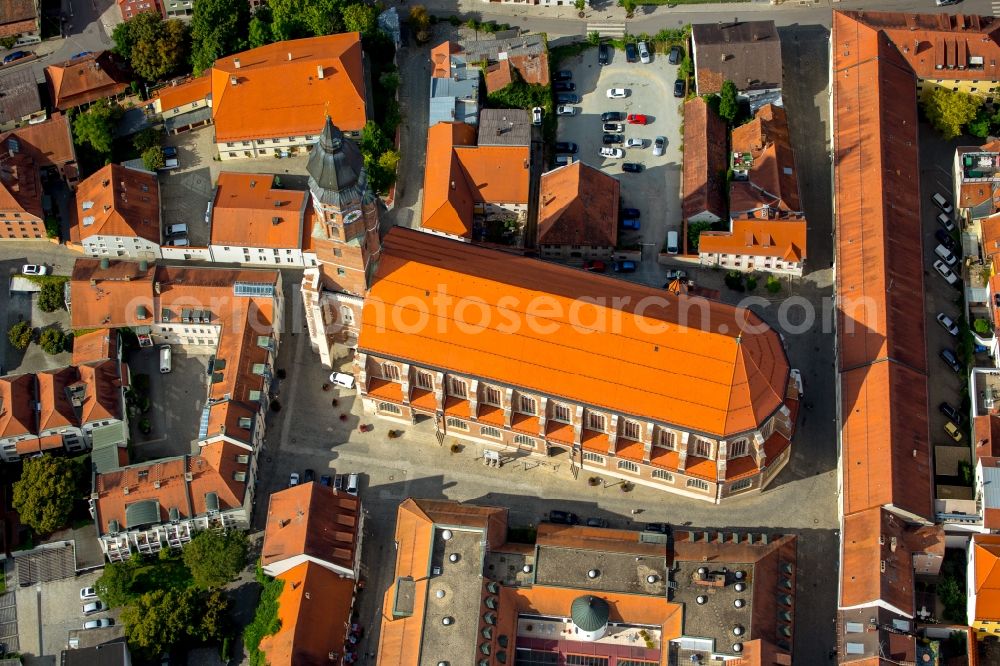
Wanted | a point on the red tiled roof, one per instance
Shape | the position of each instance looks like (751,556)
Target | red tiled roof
(249,211)
(95,345)
(313,520)
(17,405)
(183,93)
(578,205)
(118,201)
(704,160)
(785,239)
(441,59)
(85,79)
(772,173)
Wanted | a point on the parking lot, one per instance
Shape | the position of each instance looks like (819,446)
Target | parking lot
(650,93)
(47,611)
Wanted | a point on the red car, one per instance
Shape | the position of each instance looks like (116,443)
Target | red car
(595,266)
(636,119)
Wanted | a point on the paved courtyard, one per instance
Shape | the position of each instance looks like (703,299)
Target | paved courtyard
(47,611)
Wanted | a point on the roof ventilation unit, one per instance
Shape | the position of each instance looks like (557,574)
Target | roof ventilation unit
(701,599)
(446,535)
(593,573)
(453,558)
(739,603)
(447,620)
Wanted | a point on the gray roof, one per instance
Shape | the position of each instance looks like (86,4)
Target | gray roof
(105,460)
(191,117)
(19,96)
(504,127)
(747,53)
(388,24)
(455,99)
(337,170)
(111,435)
(991,487)
(132,121)
(109,654)
(590,613)
(532,44)
(143,512)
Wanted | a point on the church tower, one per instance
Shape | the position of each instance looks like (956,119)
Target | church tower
(346,240)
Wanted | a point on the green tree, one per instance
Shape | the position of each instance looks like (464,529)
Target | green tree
(594,38)
(45,493)
(52,340)
(389,81)
(980,125)
(147,138)
(214,559)
(51,297)
(20,335)
(729,104)
(373,140)
(153,159)
(288,19)
(361,18)
(950,110)
(157,620)
(154,48)
(260,27)
(114,587)
(580,5)
(217,29)
(265,620)
(214,622)
(629,6)
(322,17)
(420,21)
(773,284)
(96,126)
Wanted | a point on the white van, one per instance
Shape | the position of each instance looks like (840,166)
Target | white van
(165,359)
(945,222)
(945,254)
(942,203)
(342,379)
(352,484)
(672,247)
(175,229)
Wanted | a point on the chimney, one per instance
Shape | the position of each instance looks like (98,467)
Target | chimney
(452,184)
(289,56)
(236,63)
(319,71)
(232,80)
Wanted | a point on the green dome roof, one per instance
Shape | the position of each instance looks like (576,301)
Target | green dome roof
(589,613)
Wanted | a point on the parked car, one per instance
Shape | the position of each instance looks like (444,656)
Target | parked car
(293,479)
(612,116)
(644,56)
(613,127)
(630,212)
(596,522)
(563,75)
(16,55)
(945,272)
(659,528)
(953,431)
(630,53)
(338,482)
(352,484)
(342,379)
(625,266)
(34,269)
(945,239)
(635,143)
(564,86)
(536,115)
(310,475)
(632,167)
(170,163)
(949,411)
(630,223)
(616,153)
(617,93)
(92,607)
(942,203)
(949,357)
(325,480)
(563,517)
(609,139)
(81,54)
(637,119)
(594,266)
(679,88)
(947,323)
(169,151)
(567,98)
(565,110)
(88,594)
(566,147)
(99,624)
(659,143)
(945,222)
(603,54)
(675,55)
(563,160)
(946,256)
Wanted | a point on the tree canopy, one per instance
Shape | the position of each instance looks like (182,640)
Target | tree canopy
(114,587)
(218,28)
(949,111)
(157,620)
(52,340)
(154,48)
(52,297)
(96,126)
(729,104)
(153,158)
(361,18)
(20,335)
(45,493)
(214,559)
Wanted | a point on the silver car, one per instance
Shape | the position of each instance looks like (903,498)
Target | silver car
(644,56)
(659,144)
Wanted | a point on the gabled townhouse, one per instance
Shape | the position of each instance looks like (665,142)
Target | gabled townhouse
(183,104)
(83,80)
(578,213)
(21,102)
(767,229)
(703,197)
(255,222)
(474,192)
(748,53)
(117,214)
(22,20)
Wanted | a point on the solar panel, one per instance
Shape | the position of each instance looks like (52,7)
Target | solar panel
(253,289)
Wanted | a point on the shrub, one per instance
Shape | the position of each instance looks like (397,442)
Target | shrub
(981,326)
(751,283)
(20,335)
(51,297)
(594,38)
(773,284)
(51,227)
(734,280)
(52,341)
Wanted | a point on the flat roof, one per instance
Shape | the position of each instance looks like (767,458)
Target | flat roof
(615,571)
(718,616)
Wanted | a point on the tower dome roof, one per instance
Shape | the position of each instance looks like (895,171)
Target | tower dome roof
(337,169)
(590,613)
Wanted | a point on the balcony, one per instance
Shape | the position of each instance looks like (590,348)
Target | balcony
(979,167)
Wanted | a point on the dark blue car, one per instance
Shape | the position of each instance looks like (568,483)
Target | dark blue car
(624,267)
(16,55)
(630,212)
(630,223)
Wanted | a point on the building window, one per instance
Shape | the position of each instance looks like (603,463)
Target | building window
(742,484)
(491,396)
(628,466)
(594,458)
(561,413)
(595,421)
(524,440)
(341,271)
(702,447)
(526,405)
(390,372)
(738,448)
(389,408)
(662,475)
(425,381)
(631,430)
(768,428)
(457,388)
(666,440)
(697,484)
(457,424)
(490,431)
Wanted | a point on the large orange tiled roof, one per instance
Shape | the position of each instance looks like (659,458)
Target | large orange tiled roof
(459,174)
(578,205)
(102,397)
(181,93)
(702,375)
(704,160)
(312,520)
(85,79)
(248,211)
(118,201)
(49,143)
(772,173)
(314,612)
(20,183)
(279,91)
(55,410)
(986,576)
(763,238)
(17,405)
